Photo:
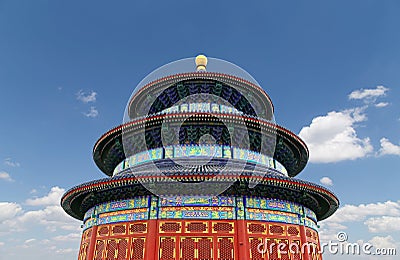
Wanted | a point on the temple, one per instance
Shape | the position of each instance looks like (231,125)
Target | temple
(199,170)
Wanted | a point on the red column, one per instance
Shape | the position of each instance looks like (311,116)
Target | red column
(151,252)
(306,255)
(243,250)
(92,244)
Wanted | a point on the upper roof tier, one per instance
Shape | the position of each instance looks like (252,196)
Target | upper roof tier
(166,86)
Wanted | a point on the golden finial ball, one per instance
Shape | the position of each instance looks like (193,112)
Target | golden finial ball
(201,62)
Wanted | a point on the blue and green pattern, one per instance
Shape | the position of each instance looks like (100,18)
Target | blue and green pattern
(200,207)
(197,201)
(273,204)
(197,213)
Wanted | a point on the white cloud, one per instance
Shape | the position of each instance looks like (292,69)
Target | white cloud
(93,112)
(369,95)
(381,104)
(53,218)
(30,240)
(66,250)
(383,224)
(377,217)
(86,98)
(52,198)
(5,176)
(11,163)
(326,181)
(383,242)
(333,137)
(27,232)
(388,148)
(50,215)
(9,210)
(69,237)
(351,213)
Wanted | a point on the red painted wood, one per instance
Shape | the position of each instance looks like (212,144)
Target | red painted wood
(242,240)
(151,251)
(306,255)
(92,243)
(217,229)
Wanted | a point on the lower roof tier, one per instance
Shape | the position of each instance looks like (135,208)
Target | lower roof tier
(146,133)
(78,200)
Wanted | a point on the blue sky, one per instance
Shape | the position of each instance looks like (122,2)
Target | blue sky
(60,62)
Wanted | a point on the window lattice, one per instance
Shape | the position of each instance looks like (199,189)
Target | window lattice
(223,227)
(196,227)
(99,250)
(255,254)
(275,229)
(205,248)
(119,229)
(225,249)
(167,249)
(188,248)
(138,228)
(285,253)
(111,249)
(293,231)
(296,250)
(256,228)
(122,249)
(272,249)
(137,249)
(171,227)
(103,231)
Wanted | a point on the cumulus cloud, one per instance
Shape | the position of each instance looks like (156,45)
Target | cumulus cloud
(93,112)
(383,224)
(333,137)
(351,213)
(59,233)
(388,148)
(52,217)
(326,181)
(377,217)
(52,198)
(383,242)
(9,210)
(49,214)
(86,97)
(11,163)
(5,176)
(369,95)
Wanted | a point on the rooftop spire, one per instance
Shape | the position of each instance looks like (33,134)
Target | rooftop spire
(201,62)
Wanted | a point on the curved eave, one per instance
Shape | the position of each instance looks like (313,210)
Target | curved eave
(172,79)
(114,136)
(327,202)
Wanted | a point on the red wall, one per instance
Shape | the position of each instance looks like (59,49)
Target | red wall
(195,240)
